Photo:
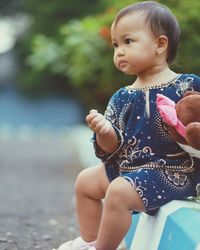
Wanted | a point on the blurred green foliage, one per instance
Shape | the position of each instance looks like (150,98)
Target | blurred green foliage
(79,51)
(49,15)
(9,7)
(46,19)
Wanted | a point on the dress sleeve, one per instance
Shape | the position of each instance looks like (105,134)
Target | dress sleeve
(196,83)
(111,114)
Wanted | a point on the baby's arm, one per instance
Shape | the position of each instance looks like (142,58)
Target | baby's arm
(105,134)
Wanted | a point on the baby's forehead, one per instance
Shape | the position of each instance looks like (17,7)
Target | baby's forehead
(139,15)
(130,21)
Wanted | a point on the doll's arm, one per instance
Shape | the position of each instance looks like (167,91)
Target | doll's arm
(193,135)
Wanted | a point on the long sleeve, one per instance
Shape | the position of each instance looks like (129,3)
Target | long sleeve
(111,114)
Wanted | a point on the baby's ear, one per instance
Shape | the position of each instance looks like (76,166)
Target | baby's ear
(162,43)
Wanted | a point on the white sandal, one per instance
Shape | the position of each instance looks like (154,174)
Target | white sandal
(76,244)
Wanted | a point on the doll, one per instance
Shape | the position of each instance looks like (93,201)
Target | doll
(182,120)
(183,124)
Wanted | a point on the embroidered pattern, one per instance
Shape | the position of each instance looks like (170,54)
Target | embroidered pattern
(129,152)
(178,179)
(184,85)
(137,184)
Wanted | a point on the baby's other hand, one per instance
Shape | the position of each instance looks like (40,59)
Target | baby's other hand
(98,123)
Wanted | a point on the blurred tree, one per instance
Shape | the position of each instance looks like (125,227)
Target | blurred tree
(9,7)
(82,52)
(47,17)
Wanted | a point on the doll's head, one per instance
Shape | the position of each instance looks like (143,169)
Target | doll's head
(183,120)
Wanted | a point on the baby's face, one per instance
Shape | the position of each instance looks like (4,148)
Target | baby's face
(134,44)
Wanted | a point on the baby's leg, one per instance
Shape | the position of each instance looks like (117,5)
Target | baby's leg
(120,198)
(91,186)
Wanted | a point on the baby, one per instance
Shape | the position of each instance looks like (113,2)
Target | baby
(141,167)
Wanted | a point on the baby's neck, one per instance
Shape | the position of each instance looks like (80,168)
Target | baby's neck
(154,78)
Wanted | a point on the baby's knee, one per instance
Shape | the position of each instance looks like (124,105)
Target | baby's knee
(92,182)
(115,193)
(81,180)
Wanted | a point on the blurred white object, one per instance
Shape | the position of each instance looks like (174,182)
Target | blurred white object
(10,29)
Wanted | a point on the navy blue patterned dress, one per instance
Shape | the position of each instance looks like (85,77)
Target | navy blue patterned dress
(147,156)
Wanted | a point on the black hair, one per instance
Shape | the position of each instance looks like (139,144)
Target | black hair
(160,20)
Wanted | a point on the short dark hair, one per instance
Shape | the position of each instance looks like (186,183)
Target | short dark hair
(161,21)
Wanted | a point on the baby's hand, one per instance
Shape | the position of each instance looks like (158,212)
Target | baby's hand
(98,123)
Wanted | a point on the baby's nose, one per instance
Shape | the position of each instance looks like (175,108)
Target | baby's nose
(121,52)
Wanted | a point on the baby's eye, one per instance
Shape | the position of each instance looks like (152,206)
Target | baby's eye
(115,45)
(128,40)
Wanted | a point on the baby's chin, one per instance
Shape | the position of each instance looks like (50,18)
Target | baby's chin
(127,71)
(191,151)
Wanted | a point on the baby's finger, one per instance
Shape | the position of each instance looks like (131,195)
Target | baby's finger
(99,125)
(104,130)
(90,117)
(95,120)
(93,111)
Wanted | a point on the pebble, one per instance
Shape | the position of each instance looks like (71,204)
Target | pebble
(37,247)
(9,234)
(71,229)
(29,223)
(53,222)
(46,237)
(2,240)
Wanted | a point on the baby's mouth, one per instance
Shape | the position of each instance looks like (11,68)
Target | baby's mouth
(122,63)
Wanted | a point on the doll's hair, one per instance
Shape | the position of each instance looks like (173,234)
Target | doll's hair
(160,20)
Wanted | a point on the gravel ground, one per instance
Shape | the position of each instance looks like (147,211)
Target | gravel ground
(37,175)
